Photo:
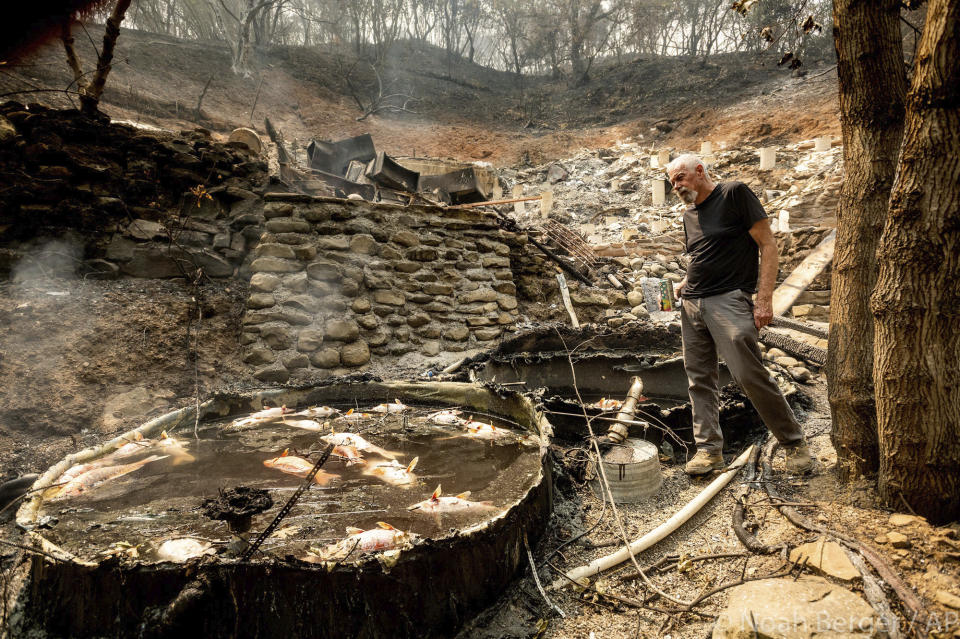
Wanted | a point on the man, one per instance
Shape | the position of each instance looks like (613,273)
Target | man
(726,228)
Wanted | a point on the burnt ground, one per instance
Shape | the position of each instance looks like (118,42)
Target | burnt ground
(70,345)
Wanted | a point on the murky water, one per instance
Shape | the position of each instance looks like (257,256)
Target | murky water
(162,500)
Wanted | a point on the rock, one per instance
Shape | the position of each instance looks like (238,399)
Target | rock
(407,267)
(900,519)
(146,230)
(774,353)
(277,209)
(486,334)
(947,599)
(311,304)
(556,173)
(898,540)
(615,322)
(640,311)
(287,225)
(264,282)
(430,348)
(355,353)
(827,557)
(326,358)
(297,283)
(802,609)
(324,270)
(260,355)
(7,131)
(364,244)
(309,340)
(341,330)
(120,249)
(293,362)
(360,305)
(274,265)
(418,319)
(635,298)
(276,373)
(333,243)
(261,300)
(507,302)
(392,298)
(368,322)
(422,254)
(432,288)
(799,373)
(405,238)
(275,250)
(458,333)
(276,337)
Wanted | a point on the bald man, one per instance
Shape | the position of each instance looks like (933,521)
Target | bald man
(733,255)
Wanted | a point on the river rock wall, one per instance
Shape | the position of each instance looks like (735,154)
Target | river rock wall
(334,282)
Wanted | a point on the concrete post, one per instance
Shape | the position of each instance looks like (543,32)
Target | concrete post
(546,203)
(784,221)
(768,158)
(518,193)
(821,144)
(658,189)
(706,148)
(663,157)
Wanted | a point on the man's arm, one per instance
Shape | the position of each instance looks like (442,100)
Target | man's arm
(763,307)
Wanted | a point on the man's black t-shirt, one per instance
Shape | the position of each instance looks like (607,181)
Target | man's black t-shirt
(723,255)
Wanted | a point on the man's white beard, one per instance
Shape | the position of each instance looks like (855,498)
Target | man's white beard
(687,195)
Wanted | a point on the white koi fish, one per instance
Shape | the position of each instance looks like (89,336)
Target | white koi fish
(304,424)
(265,416)
(350,454)
(396,407)
(358,442)
(446,418)
(293,465)
(318,412)
(460,503)
(92,478)
(482,430)
(384,537)
(394,473)
(183,549)
(606,404)
(352,416)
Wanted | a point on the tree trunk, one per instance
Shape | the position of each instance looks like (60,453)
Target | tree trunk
(872,85)
(90,98)
(917,299)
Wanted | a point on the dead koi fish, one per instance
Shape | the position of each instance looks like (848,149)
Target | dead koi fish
(606,404)
(304,424)
(180,550)
(175,448)
(446,418)
(482,430)
(89,480)
(394,473)
(293,465)
(349,453)
(352,416)
(265,416)
(318,412)
(396,407)
(460,503)
(358,442)
(383,538)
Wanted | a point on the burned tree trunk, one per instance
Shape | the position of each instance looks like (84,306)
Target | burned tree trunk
(917,299)
(872,85)
(90,92)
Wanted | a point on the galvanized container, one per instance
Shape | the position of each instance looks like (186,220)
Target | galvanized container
(633,474)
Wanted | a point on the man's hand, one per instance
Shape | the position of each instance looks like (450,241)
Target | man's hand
(678,288)
(762,312)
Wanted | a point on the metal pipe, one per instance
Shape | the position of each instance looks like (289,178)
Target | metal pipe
(618,430)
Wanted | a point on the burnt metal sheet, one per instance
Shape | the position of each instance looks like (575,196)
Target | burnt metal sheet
(343,187)
(335,157)
(461,185)
(385,171)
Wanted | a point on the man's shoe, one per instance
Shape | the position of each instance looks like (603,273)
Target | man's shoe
(704,462)
(798,458)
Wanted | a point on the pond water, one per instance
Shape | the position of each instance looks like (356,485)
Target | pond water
(161,500)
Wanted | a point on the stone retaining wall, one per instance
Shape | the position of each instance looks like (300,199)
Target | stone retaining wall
(336,281)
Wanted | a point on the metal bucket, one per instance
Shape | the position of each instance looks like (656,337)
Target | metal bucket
(632,470)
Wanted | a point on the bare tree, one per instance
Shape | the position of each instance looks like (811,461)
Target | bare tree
(91,91)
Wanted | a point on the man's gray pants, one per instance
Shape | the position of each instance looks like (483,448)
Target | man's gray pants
(724,324)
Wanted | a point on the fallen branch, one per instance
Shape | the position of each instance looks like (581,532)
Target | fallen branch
(536,577)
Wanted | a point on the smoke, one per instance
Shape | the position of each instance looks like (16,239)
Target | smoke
(47,259)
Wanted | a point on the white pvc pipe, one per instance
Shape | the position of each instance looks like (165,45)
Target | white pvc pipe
(678,519)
